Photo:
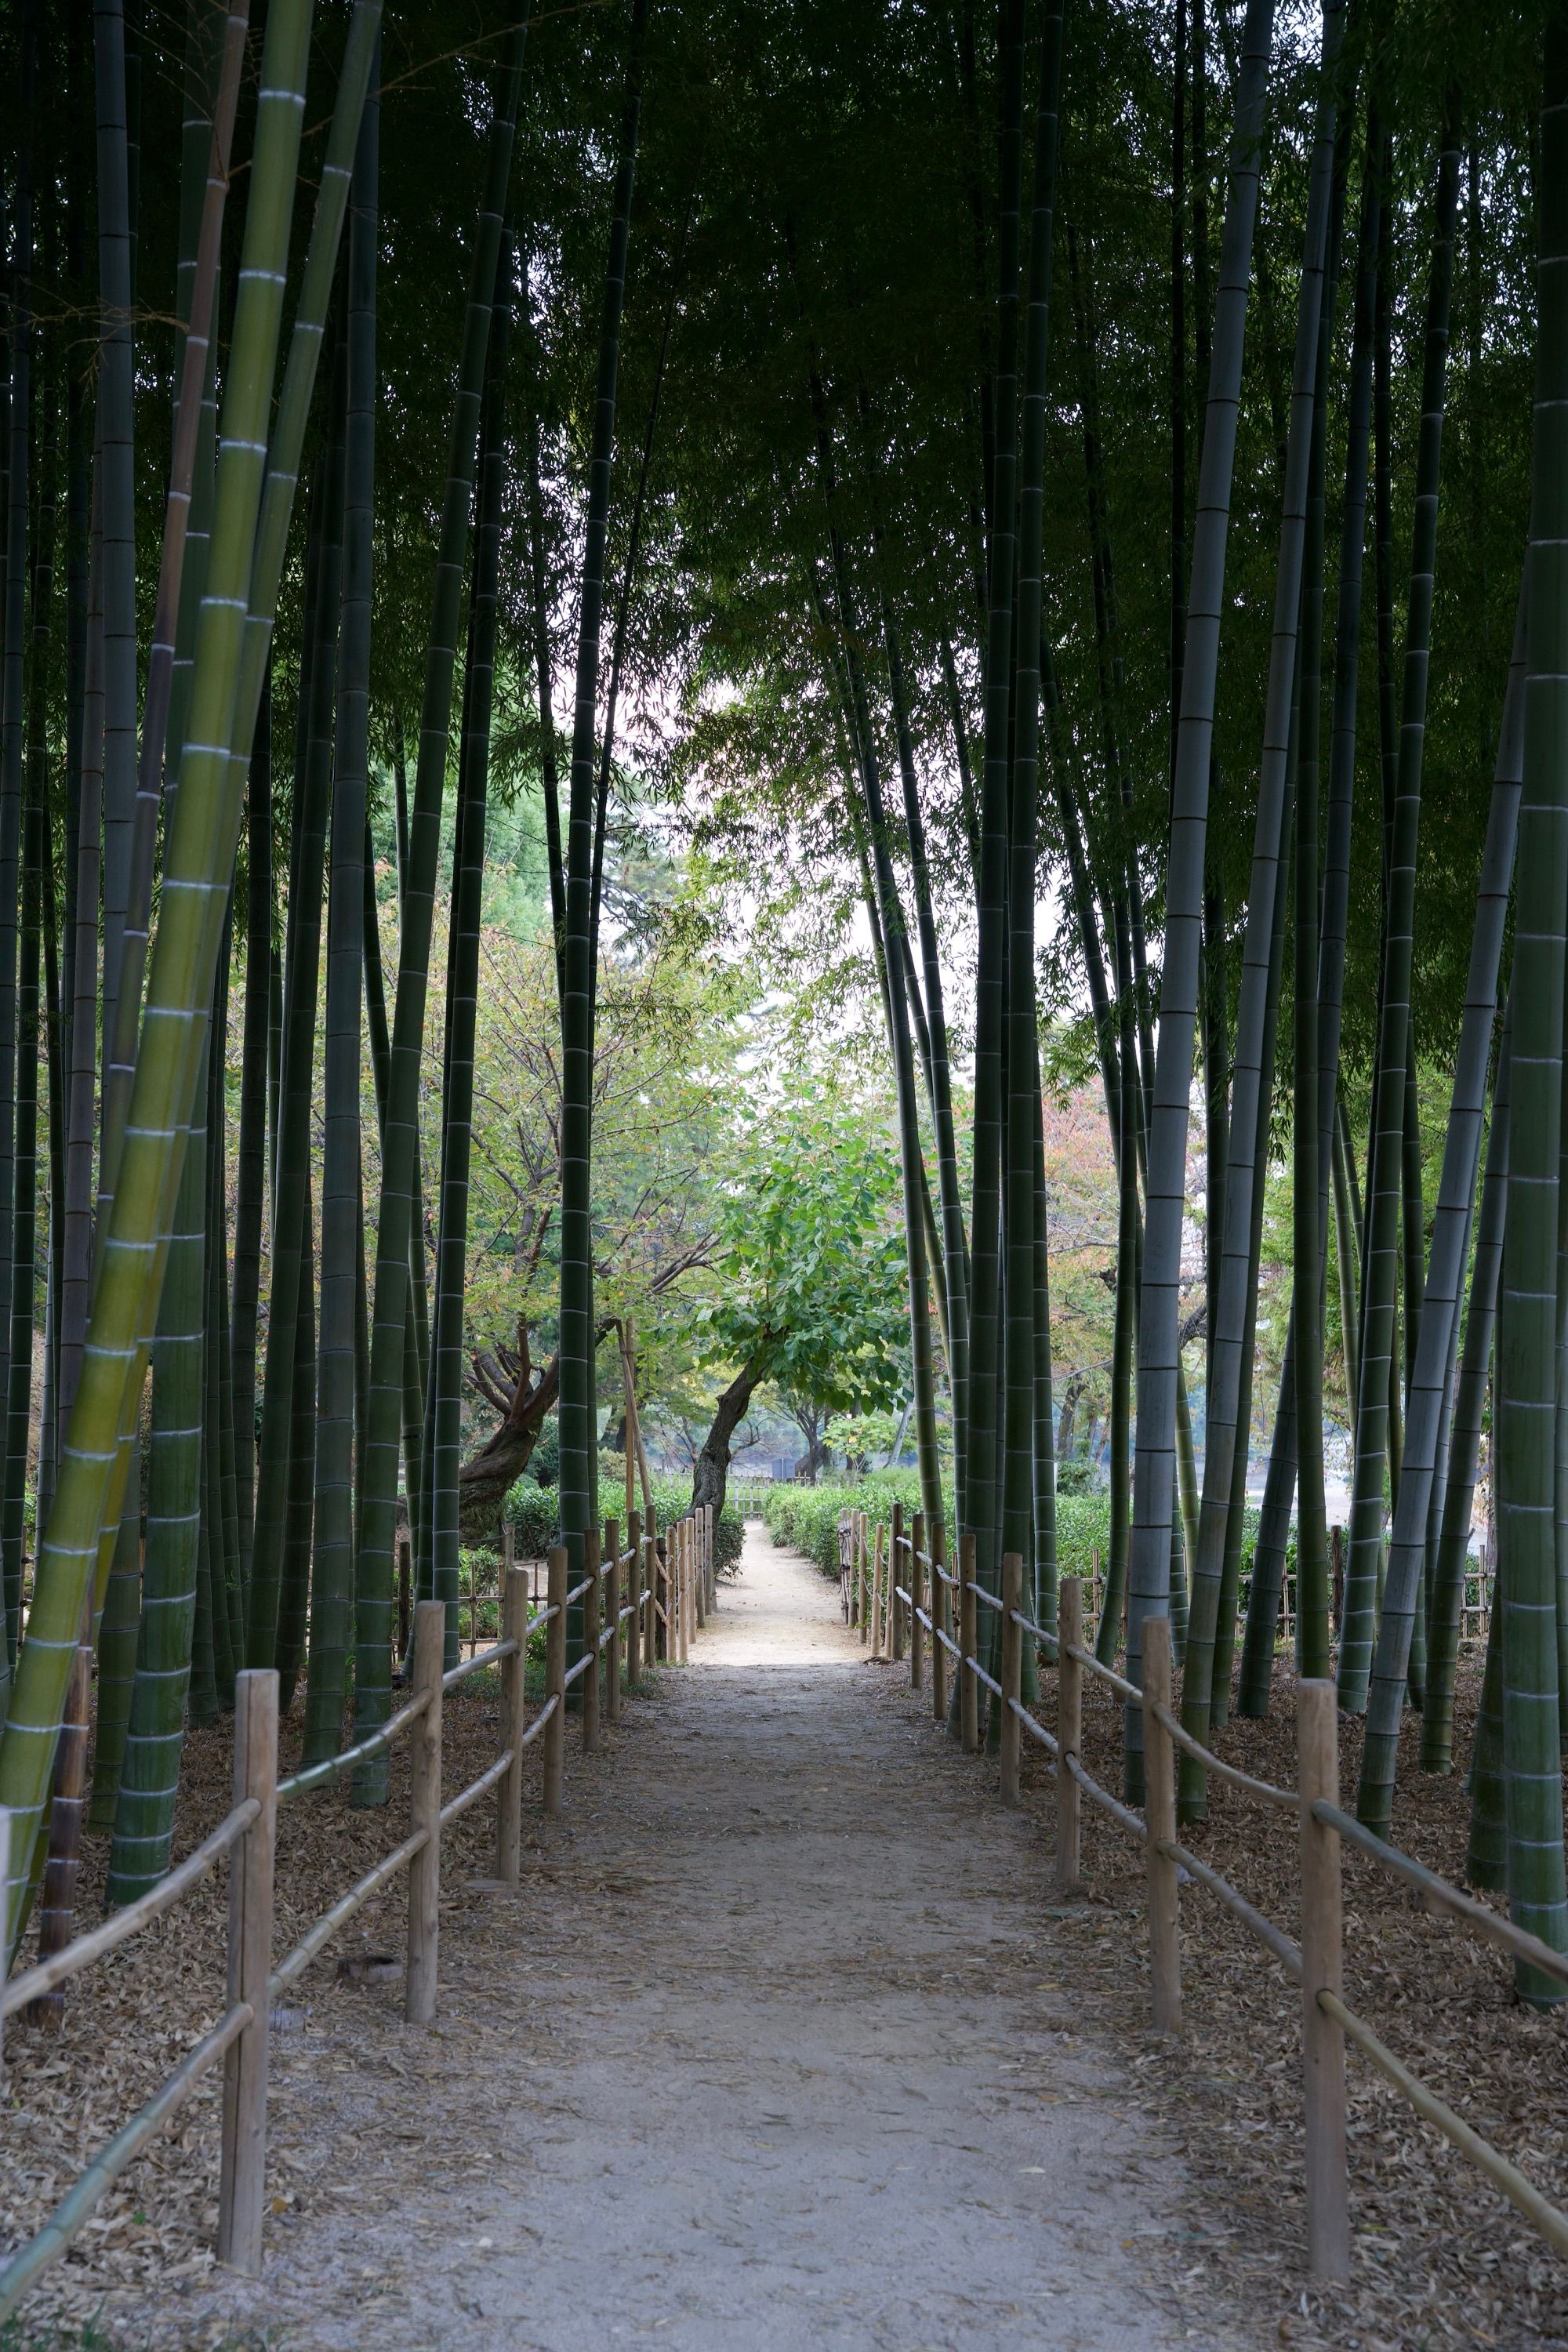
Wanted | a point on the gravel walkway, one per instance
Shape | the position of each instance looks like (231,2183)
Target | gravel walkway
(770,2052)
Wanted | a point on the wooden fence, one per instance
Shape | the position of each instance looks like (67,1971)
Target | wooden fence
(890,1575)
(642,1600)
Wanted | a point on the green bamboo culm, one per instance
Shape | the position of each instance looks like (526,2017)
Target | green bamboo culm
(198,863)
(1375,1441)
(982,1430)
(579,1498)
(1527,1337)
(333,1566)
(1431,1362)
(1464,1452)
(275,1561)
(1022,1112)
(1158,1365)
(148,1780)
(444,1405)
(395,1297)
(283,463)
(13,677)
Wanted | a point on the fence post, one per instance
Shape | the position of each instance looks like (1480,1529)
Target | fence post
(1160,1826)
(939,1620)
(613,1620)
(425,1790)
(1069,1730)
(514,1613)
(1012,1671)
(555,1679)
(242,2184)
(968,1689)
(591,1620)
(895,1606)
(699,1574)
(917,1594)
(1322,1970)
(683,1587)
(633,1598)
(709,1559)
(664,1582)
(862,1581)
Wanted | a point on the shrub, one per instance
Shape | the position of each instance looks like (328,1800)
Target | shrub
(535,1516)
(806,1517)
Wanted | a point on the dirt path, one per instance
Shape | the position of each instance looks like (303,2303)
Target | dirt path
(770,2052)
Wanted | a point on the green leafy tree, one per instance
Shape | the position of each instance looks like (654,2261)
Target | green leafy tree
(807,1289)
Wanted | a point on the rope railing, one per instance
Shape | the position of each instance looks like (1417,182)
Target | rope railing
(1317,1963)
(655,1589)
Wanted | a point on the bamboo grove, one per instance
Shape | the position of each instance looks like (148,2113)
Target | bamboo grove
(1066,491)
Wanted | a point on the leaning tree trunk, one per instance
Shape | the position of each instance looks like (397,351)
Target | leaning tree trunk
(711,1471)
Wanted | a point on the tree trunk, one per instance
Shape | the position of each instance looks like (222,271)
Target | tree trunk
(711,1471)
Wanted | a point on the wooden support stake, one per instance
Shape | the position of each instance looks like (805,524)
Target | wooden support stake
(1322,1970)
(917,1595)
(613,1620)
(1011,1738)
(940,1619)
(633,1598)
(242,2180)
(699,1574)
(968,1688)
(556,1680)
(683,1586)
(652,1646)
(862,1575)
(589,1683)
(896,1564)
(1069,1732)
(879,1614)
(425,1813)
(1160,1820)
(514,1612)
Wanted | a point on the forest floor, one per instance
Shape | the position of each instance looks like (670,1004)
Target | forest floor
(773,2050)
(785,2041)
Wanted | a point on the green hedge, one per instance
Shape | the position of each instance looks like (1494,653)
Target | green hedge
(535,1515)
(807,1519)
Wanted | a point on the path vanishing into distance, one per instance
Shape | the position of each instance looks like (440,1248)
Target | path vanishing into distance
(765,2055)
